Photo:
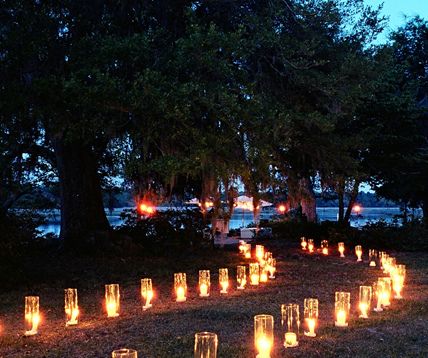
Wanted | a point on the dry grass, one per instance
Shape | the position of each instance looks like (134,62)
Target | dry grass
(167,329)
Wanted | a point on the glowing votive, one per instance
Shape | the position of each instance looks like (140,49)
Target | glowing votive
(241,277)
(71,307)
(204,290)
(254,274)
(311,323)
(180,286)
(263,335)
(260,252)
(223,277)
(324,247)
(359,252)
(365,300)
(146,293)
(263,276)
(341,248)
(272,268)
(290,340)
(32,315)
(311,245)
(303,243)
(341,319)
(112,297)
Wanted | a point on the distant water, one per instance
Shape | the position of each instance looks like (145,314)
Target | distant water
(243,218)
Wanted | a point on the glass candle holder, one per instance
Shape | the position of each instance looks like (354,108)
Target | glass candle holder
(365,300)
(311,316)
(398,280)
(263,335)
(303,243)
(263,274)
(378,289)
(311,246)
(290,321)
(124,353)
(342,307)
(241,246)
(241,277)
(112,296)
(247,251)
(32,315)
(372,258)
(272,268)
(359,253)
(387,291)
(180,286)
(146,293)
(260,252)
(268,256)
(383,256)
(223,279)
(389,264)
(206,345)
(204,283)
(341,248)
(324,247)
(71,306)
(254,274)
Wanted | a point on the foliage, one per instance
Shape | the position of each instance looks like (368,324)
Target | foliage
(380,235)
(165,230)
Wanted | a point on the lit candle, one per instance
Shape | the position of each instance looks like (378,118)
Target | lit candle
(241,277)
(342,306)
(311,316)
(341,319)
(180,286)
(359,252)
(378,289)
(254,274)
(32,315)
(71,307)
(324,247)
(205,345)
(272,268)
(223,277)
(341,247)
(248,255)
(146,293)
(260,251)
(303,243)
(263,335)
(204,283)
(112,296)
(398,280)
(263,276)
(387,290)
(311,245)
(365,300)
(290,321)
(290,340)
(372,257)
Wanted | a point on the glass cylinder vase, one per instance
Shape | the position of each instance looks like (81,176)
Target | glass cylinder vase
(204,283)
(124,353)
(71,306)
(223,279)
(365,300)
(112,296)
(254,274)
(263,335)
(206,345)
(241,277)
(180,286)
(342,308)
(324,247)
(32,315)
(290,321)
(146,293)
(311,316)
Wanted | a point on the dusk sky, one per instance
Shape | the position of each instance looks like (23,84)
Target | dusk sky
(398,9)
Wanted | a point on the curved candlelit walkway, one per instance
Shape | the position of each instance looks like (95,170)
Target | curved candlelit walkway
(167,330)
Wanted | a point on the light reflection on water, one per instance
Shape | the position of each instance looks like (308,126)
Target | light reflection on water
(240,219)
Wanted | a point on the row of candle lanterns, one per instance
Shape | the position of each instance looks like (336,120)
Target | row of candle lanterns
(308,244)
(258,272)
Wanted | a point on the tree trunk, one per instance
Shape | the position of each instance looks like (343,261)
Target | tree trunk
(425,210)
(341,198)
(293,197)
(351,203)
(308,201)
(83,219)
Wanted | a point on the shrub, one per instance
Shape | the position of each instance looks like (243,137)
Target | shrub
(166,229)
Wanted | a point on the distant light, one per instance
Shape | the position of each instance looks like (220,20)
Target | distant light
(357,208)
(282,208)
(146,209)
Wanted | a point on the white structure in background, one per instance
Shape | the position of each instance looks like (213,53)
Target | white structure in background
(244,202)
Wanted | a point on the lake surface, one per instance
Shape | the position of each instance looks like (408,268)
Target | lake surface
(243,218)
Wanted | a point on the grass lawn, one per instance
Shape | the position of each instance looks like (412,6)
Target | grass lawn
(167,330)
